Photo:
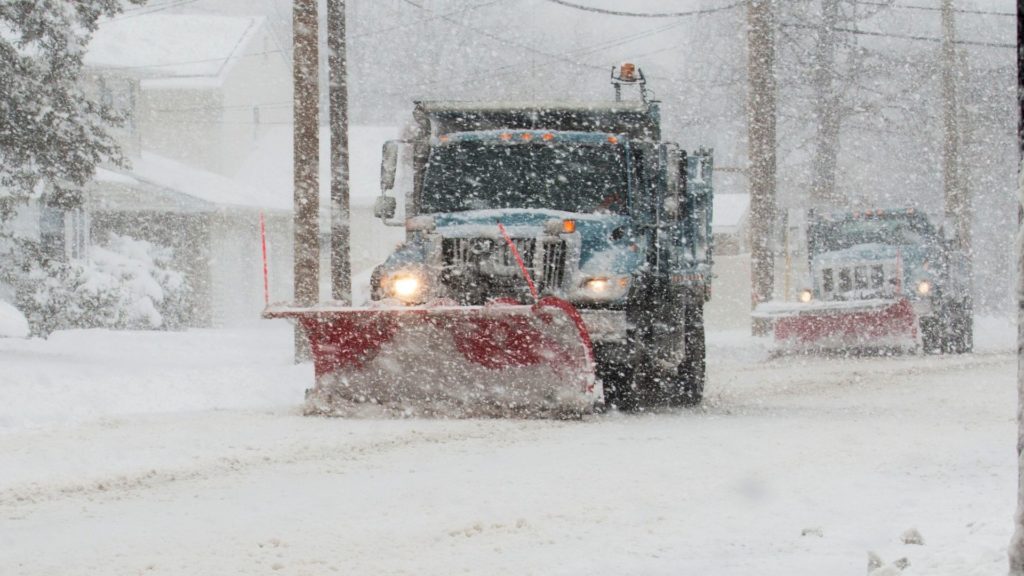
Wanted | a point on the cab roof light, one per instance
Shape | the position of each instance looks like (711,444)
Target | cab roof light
(548,136)
(568,226)
(627,72)
(526,136)
(613,139)
(505,136)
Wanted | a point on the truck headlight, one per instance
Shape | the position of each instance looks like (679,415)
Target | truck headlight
(924,287)
(806,295)
(409,287)
(604,287)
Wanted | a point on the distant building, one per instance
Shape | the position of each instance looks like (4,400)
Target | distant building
(199,93)
(730,224)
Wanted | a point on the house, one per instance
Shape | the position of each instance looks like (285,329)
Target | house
(198,93)
(209,139)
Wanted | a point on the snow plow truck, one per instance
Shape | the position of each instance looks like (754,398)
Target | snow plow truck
(879,280)
(556,260)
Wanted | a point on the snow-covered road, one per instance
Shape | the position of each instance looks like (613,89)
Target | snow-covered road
(190,458)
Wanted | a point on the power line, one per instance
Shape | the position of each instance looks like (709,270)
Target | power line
(905,36)
(696,12)
(937,9)
(505,41)
(283,50)
(515,68)
(424,20)
(925,38)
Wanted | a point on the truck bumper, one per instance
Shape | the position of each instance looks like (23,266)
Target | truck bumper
(606,326)
(842,325)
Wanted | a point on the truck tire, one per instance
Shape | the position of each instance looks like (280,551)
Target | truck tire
(958,337)
(692,374)
(932,337)
(656,311)
(616,380)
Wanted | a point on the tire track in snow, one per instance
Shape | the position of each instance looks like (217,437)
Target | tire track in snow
(322,447)
(766,386)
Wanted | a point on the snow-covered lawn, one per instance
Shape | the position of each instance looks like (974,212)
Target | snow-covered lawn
(184,453)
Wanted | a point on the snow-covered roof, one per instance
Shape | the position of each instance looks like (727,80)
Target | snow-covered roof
(265,180)
(206,186)
(171,45)
(729,211)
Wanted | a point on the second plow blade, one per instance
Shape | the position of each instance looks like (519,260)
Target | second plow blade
(451,361)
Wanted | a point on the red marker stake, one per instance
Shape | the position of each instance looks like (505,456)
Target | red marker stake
(519,260)
(263,243)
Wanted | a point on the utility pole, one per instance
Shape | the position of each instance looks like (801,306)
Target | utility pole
(826,149)
(337,64)
(1016,548)
(306,162)
(761,136)
(958,203)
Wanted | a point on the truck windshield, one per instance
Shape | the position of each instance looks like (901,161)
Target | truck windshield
(483,175)
(827,236)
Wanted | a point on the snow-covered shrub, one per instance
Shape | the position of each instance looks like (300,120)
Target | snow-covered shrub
(126,284)
(13,323)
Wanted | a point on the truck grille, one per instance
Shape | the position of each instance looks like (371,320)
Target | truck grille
(553,265)
(492,257)
(859,280)
(493,251)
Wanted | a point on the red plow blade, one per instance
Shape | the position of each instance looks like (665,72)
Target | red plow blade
(842,325)
(450,361)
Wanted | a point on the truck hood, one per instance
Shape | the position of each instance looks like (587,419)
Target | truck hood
(598,252)
(520,222)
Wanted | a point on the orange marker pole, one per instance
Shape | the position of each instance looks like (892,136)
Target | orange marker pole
(519,260)
(263,243)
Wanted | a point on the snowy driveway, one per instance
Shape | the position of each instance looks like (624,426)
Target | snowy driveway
(190,458)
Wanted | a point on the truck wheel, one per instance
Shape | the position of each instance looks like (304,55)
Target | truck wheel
(959,329)
(616,379)
(932,338)
(692,373)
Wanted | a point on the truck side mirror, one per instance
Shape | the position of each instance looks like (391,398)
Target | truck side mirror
(389,166)
(384,207)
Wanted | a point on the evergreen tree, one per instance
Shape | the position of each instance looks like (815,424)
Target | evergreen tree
(52,136)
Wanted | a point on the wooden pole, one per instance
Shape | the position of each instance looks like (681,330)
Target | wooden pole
(761,136)
(958,205)
(341,266)
(306,162)
(824,193)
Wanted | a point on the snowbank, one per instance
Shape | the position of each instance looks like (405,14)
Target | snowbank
(88,375)
(12,322)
